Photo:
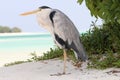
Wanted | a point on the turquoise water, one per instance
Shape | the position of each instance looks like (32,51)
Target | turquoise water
(9,42)
(16,47)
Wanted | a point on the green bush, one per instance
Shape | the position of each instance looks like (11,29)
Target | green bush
(102,45)
(14,63)
(53,53)
(108,10)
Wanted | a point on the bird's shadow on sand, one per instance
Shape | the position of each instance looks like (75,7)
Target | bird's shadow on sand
(59,74)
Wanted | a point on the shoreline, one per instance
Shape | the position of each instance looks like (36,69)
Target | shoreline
(22,33)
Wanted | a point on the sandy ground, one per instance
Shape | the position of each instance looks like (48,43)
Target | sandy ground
(47,70)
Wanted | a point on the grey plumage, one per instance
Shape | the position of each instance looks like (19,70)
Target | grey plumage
(63,31)
(68,32)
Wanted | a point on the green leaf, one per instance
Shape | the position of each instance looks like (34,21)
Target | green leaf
(108,10)
(118,21)
(80,1)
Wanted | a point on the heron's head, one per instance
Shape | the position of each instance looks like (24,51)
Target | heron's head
(35,11)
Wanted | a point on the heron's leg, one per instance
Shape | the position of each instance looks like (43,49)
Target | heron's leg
(65,57)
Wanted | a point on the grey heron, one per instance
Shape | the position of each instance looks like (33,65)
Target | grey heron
(62,29)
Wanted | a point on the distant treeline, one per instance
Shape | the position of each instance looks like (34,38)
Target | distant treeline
(6,29)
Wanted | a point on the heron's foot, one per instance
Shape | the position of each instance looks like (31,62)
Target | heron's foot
(77,64)
(60,74)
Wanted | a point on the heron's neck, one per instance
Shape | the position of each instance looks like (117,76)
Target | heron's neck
(44,19)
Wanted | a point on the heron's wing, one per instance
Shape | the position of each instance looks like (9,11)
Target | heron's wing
(66,34)
(64,28)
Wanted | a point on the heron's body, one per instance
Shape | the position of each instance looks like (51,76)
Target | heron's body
(63,31)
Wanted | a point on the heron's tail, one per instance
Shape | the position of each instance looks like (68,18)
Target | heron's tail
(80,53)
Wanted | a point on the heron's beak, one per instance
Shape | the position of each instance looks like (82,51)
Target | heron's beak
(30,12)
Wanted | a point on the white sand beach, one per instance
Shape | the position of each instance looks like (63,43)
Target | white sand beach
(18,55)
(45,70)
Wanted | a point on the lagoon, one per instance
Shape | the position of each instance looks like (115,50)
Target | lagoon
(18,46)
